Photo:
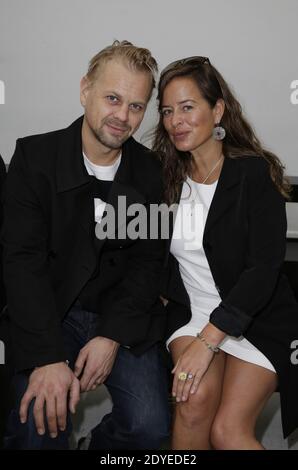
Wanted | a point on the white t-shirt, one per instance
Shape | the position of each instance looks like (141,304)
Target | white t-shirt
(104,173)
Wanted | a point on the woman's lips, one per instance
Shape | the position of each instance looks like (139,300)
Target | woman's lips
(180,135)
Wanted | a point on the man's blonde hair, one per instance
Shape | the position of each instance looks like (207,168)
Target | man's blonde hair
(138,58)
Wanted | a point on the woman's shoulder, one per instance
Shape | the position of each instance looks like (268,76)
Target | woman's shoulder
(252,166)
(251,162)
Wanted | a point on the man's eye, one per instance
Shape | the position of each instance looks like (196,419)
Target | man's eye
(112,99)
(136,107)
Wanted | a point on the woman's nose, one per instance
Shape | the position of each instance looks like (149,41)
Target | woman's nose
(176,119)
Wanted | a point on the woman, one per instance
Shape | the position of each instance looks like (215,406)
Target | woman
(232,315)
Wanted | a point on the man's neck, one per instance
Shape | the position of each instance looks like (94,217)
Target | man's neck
(104,158)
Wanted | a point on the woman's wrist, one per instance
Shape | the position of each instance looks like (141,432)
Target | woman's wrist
(208,345)
(212,334)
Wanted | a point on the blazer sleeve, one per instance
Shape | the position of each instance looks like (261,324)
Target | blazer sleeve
(266,247)
(35,324)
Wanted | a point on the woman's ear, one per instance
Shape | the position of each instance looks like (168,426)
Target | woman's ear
(218,110)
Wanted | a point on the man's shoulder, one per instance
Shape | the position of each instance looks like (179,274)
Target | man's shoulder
(143,156)
(46,139)
(38,143)
(39,151)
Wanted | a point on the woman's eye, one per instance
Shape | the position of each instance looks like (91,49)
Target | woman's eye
(165,112)
(187,108)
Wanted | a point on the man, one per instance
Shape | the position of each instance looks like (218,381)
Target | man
(4,371)
(73,297)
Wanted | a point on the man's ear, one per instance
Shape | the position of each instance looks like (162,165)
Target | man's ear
(84,89)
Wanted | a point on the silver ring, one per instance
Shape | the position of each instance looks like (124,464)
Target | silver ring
(190,376)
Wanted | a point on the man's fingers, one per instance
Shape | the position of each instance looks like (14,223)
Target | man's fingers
(89,376)
(26,400)
(38,412)
(51,414)
(74,395)
(91,383)
(80,362)
(61,407)
(95,381)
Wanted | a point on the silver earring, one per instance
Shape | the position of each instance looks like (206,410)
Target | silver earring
(219,132)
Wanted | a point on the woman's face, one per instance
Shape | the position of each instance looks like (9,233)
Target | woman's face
(187,116)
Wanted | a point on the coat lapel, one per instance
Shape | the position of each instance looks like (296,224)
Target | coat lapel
(225,194)
(71,174)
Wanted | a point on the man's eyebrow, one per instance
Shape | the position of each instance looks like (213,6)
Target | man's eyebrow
(111,92)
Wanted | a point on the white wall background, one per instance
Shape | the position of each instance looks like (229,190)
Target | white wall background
(45,46)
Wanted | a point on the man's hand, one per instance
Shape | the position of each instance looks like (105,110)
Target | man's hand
(97,359)
(49,385)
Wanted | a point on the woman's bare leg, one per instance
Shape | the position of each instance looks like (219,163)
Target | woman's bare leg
(193,418)
(246,389)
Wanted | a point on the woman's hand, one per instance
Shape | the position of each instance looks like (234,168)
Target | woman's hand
(192,364)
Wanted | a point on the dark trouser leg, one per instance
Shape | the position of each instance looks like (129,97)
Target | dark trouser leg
(24,436)
(76,329)
(140,415)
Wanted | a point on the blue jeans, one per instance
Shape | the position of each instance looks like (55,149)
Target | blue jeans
(138,386)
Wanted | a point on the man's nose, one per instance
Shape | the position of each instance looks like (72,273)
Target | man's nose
(122,113)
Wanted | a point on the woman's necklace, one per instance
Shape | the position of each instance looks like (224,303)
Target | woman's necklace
(194,202)
(212,170)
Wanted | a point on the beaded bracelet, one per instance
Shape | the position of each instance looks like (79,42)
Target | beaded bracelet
(214,349)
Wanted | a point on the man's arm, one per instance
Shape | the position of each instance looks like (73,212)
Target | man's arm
(36,329)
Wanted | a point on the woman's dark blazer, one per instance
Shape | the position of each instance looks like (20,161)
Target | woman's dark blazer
(244,241)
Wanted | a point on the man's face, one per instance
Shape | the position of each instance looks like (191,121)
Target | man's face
(115,103)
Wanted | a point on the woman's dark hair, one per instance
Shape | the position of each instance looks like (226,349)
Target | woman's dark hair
(240,138)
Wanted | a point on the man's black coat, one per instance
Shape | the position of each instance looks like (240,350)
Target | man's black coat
(49,249)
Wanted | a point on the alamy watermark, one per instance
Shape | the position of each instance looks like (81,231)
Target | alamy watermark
(137,221)
(2,353)
(294,355)
(294,94)
(2,92)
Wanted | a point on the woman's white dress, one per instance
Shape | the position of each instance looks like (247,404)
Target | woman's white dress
(187,248)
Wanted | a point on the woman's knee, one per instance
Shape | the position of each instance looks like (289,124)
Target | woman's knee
(227,432)
(198,408)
